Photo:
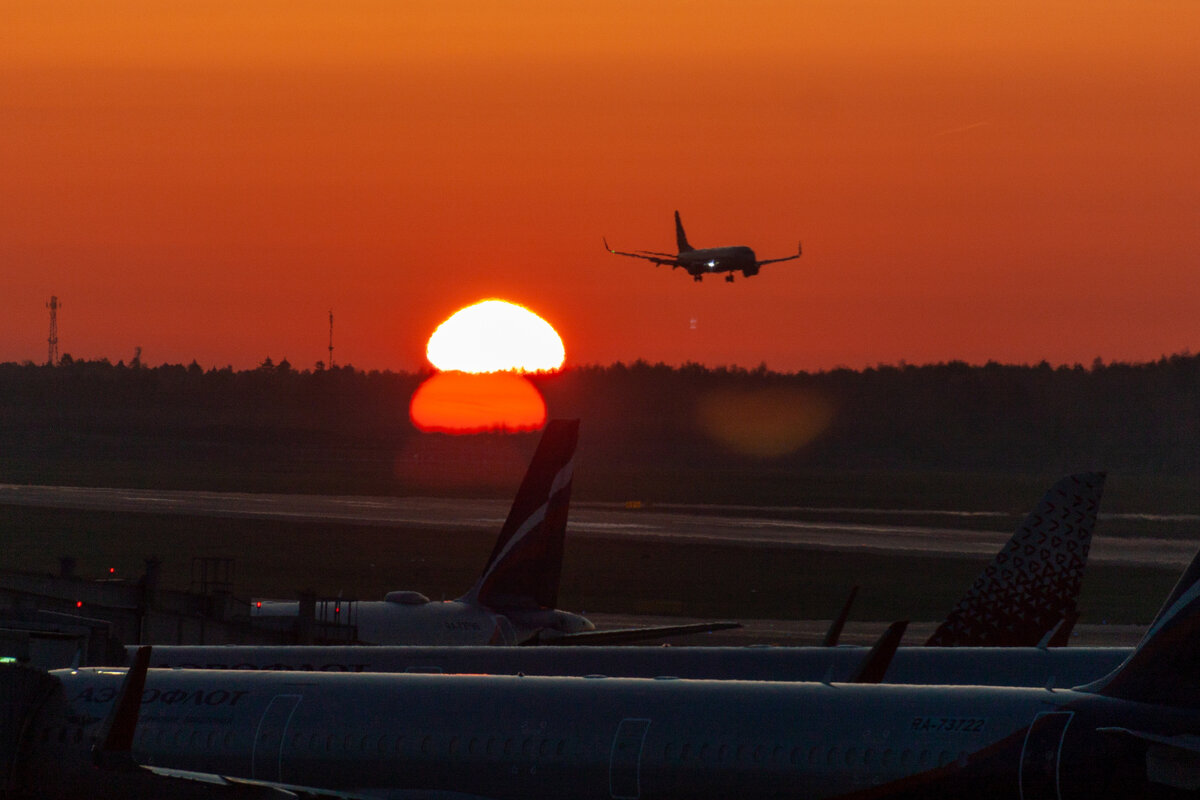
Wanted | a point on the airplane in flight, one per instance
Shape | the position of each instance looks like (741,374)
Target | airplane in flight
(515,599)
(1003,627)
(705,261)
(122,733)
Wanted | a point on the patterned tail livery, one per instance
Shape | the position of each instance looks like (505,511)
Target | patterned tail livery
(1028,593)
(526,564)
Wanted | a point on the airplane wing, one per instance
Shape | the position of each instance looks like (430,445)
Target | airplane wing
(799,251)
(659,259)
(624,635)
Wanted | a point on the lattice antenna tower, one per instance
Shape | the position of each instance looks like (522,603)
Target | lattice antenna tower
(54,306)
(331,338)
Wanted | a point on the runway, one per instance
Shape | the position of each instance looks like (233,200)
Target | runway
(682,524)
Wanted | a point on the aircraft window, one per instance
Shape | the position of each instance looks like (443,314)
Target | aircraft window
(491,745)
(943,758)
(453,746)
(924,758)
(831,756)
(562,747)
(425,744)
(329,742)
(777,753)
(723,752)
(527,747)
(212,740)
(868,756)
(905,757)
(886,759)
(348,742)
(382,746)
(685,752)
(741,752)
(366,739)
(544,749)
(758,754)
(194,740)
(669,751)
(162,736)
(851,754)
(508,747)
(228,738)
(472,745)
(314,741)
(181,736)
(399,743)
(705,751)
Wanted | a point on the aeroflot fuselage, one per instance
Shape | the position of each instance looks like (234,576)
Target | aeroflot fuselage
(608,738)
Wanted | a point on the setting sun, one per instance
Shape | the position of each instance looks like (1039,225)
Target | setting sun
(494,336)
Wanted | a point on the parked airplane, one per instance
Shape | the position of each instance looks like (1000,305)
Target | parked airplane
(514,601)
(706,261)
(1020,600)
(1132,733)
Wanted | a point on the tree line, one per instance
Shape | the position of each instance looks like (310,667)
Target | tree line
(341,429)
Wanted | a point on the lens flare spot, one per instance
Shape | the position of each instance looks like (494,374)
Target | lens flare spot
(765,423)
(495,335)
(462,402)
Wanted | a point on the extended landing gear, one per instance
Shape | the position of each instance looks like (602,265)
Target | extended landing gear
(697,278)
(729,278)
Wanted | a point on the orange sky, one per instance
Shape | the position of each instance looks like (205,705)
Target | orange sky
(971,181)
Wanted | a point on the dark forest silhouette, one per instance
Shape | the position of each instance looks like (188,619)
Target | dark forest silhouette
(276,428)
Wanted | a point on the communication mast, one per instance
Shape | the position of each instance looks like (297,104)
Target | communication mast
(53,305)
(331,338)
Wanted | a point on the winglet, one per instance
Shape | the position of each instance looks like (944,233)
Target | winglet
(606,247)
(1033,582)
(835,628)
(880,657)
(114,752)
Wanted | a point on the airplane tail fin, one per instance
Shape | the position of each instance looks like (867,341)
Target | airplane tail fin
(680,237)
(526,563)
(1165,666)
(1032,584)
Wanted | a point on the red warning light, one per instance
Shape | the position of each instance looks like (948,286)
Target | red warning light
(79,604)
(258,604)
(112,570)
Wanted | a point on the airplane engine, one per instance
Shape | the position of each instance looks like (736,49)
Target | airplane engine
(750,270)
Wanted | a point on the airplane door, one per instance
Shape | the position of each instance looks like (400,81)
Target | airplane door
(1040,756)
(624,767)
(267,755)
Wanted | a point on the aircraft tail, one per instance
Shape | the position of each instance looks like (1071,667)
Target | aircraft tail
(1031,586)
(526,564)
(680,237)
(1162,669)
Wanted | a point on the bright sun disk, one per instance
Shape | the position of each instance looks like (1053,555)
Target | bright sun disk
(495,336)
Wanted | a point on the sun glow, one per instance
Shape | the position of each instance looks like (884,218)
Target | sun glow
(495,336)
(461,402)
